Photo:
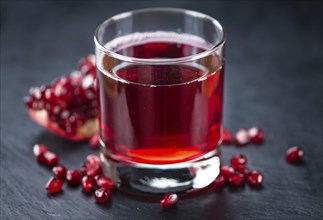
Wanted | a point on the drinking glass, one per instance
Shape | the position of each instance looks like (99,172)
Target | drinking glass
(160,85)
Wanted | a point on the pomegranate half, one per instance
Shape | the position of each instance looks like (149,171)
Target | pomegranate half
(68,107)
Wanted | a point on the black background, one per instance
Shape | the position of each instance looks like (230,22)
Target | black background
(273,80)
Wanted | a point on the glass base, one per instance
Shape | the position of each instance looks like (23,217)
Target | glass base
(137,178)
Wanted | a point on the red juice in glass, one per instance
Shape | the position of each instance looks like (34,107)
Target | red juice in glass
(160,114)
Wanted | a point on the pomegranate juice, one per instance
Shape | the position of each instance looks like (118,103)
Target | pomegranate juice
(158,113)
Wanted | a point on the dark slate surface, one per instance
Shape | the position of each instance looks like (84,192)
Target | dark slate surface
(273,79)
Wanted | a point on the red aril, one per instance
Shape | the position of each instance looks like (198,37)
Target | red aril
(226,137)
(51,159)
(169,200)
(102,195)
(67,107)
(242,169)
(103,181)
(88,184)
(54,185)
(256,135)
(73,177)
(242,137)
(87,65)
(255,178)
(294,154)
(92,158)
(238,160)
(91,169)
(236,179)
(39,150)
(219,182)
(60,172)
(226,171)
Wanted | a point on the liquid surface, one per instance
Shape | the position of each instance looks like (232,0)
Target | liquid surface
(160,114)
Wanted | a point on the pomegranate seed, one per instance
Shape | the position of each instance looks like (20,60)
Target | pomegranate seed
(88,184)
(39,151)
(226,171)
(35,93)
(226,137)
(236,179)
(241,169)
(28,101)
(91,169)
(76,77)
(60,172)
(242,137)
(92,158)
(86,65)
(73,177)
(219,182)
(294,154)
(103,181)
(94,141)
(63,89)
(255,178)
(87,82)
(102,195)
(238,160)
(169,200)
(51,159)
(54,185)
(256,135)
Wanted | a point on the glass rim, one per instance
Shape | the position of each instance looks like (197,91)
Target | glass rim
(190,58)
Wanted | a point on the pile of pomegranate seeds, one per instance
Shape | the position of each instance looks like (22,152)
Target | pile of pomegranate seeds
(237,174)
(169,200)
(92,166)
(90,176)
(242,137)
(68,106)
